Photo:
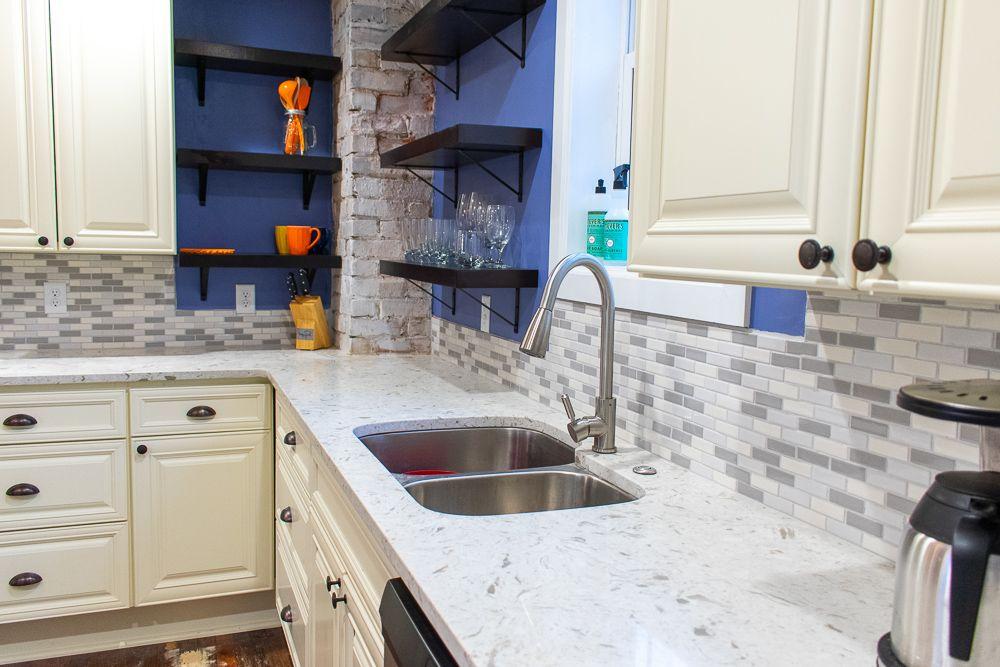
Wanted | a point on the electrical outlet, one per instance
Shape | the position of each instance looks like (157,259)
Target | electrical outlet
(246,299)
(484,315)
(55,298)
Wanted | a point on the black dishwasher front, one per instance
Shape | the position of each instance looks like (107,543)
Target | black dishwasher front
(410,640)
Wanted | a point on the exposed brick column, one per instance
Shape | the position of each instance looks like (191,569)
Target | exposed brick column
(379,106)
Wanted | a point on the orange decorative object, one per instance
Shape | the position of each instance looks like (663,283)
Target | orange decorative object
(208,251)
(301,239)
(294,95)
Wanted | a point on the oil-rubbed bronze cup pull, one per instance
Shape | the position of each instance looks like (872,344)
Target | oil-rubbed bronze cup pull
(20,421)
(201,412)
(22,489)
(25,579)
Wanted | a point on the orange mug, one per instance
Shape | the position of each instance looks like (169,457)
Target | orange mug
(301,239)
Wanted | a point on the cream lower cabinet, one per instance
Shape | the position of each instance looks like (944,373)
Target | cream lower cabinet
(747,138)
(201,515)
(330,576)
(932,172)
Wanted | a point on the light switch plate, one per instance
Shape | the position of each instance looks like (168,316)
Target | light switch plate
(55,298)
(484,315)
(246,299)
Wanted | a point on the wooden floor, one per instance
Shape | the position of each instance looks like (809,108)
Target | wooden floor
(261,648)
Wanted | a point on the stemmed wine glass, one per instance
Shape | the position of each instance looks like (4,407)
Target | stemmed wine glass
(498,229)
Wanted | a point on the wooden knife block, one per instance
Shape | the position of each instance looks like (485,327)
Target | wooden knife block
(311,329)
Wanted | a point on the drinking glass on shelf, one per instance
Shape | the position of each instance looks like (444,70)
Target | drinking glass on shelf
(500,219)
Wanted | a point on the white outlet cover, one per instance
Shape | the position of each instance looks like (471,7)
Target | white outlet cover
(484,315)
(246,299)
(55,298)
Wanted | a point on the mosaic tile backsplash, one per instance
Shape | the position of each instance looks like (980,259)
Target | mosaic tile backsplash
(115,303)
(806,425)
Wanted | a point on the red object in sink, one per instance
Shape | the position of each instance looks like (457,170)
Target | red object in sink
(429,471)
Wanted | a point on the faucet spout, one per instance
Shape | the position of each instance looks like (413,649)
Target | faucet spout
(601,427)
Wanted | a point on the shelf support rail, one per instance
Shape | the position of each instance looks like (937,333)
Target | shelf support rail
(520,55)
(458,73)
(519,190)
(452,198)
(454,299)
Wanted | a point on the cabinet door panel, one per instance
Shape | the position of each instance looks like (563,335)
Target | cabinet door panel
(747,138)
(932,184)
(202,513)
(112,86)
(27,170)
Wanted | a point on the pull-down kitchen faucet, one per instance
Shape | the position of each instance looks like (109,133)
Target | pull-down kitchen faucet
(601,426)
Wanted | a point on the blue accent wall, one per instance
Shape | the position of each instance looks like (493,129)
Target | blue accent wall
(778,310)
(496,91)
(242,112)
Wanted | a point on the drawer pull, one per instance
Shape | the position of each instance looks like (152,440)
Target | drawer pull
(331,582)
(22,489)
(286,515)
(20,421)
(290,439)
(25,579)
(286,614)
(201,412)
(334,600)
(141,449)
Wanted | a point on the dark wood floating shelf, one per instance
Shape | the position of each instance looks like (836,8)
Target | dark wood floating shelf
(308,165)
(444,30)
(463,144)
(256,261)
(462,280)
(252,60)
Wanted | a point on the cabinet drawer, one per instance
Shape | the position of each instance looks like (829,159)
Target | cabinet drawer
(39,416)
(168,410)
(293,615)
(334,522)
(80,569)
(291,517)
(60,484)
(295,445)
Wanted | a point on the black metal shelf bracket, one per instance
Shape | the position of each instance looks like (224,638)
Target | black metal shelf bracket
(453,198)
(467,13)
(201,65)
(519,190)
(454,299)
(458,73)
(308,183)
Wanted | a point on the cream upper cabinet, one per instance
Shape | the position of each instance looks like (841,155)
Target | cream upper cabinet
(932,182)
(27,179)
(112,80)
(748,138)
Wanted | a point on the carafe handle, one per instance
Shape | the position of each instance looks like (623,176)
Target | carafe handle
(970,553)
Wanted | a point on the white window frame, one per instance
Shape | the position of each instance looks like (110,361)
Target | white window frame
(708,302)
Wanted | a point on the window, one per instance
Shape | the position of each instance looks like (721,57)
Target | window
(595,60)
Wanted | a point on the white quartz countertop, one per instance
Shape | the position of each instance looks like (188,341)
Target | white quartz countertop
(689,574)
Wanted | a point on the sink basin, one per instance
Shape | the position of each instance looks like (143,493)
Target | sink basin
(467,450)
(515,492)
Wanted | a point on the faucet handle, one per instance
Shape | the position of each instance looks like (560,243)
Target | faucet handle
(568,405)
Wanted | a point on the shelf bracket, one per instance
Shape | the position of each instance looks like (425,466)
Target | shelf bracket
(458,74)
(202,184)
(519,55)
(203,282)
(519,190)
(435,297)
(308,181)
(452,198)
(201,65)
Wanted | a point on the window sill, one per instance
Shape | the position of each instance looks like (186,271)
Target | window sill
(706,302)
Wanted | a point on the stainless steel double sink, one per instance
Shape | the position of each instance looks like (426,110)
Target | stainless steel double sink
(490,470)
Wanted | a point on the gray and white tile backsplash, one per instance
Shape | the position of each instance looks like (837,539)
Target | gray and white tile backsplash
(118,303)
(807,425)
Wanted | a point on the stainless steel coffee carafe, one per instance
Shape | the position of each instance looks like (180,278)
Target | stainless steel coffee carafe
(946,610)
